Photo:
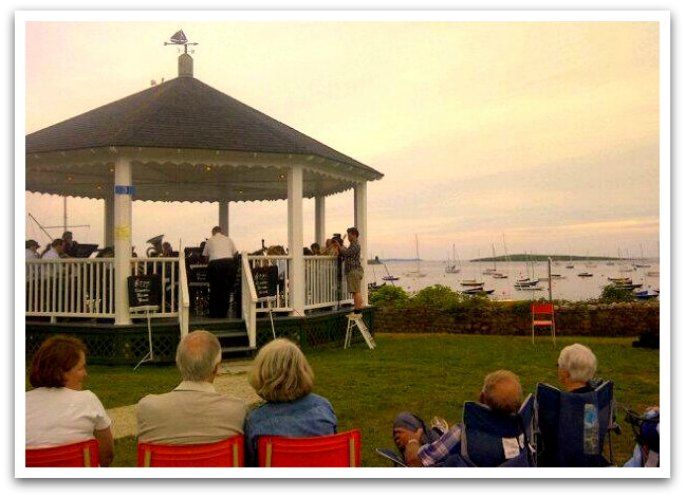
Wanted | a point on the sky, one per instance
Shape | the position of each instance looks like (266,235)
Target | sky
(538,137)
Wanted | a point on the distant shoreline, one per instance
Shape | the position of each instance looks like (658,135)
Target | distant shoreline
(525,258)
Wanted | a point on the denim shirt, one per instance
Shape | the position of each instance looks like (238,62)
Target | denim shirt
(308,416)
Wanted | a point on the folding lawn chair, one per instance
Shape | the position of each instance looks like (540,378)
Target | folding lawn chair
(490,439)
(573,426)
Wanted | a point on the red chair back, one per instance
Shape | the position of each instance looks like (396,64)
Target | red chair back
(326,451)
(77,455)
(223,454)
(543,315)
(542,308)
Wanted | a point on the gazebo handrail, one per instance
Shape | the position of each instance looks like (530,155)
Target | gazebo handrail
(184,294)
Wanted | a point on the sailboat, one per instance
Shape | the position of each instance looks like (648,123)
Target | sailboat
(451,266)
(643,262)
(570,264)
(528,283)
(499,274)
(417,273)
(493,269)
(389,277)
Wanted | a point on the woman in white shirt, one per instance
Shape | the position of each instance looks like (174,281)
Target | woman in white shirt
(58,410)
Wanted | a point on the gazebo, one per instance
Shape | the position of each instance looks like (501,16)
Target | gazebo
(183,140)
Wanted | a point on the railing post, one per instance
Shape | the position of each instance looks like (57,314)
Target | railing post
(249,298)
(183,294)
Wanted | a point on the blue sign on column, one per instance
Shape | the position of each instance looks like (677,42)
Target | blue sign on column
(124,190)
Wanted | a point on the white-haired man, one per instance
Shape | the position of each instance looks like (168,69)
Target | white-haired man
(194,412)
(576,368)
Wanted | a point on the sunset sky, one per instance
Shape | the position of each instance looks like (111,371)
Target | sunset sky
(545,134)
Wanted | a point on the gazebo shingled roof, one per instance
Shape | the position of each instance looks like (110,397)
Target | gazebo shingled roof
(188,142)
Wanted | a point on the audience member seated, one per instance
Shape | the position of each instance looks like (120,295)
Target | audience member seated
(576,368)
(315,248)
(194,412)
(647,431)
(573,423)
(441,445)
(282,377)
(58,410)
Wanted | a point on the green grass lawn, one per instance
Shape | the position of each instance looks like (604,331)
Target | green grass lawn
(426,374)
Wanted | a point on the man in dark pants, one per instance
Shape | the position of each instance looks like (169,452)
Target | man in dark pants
(220,251)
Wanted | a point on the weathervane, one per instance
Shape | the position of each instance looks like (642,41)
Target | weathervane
(179,38)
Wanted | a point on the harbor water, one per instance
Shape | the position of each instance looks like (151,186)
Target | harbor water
(566,282)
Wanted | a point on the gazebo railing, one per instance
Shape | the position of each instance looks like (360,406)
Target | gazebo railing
(84,288)
(324,287)
(168,269)
(324,284)
(282,303)
(70,288)
(183,296)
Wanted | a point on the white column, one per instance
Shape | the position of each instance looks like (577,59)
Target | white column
(223,217)
(361,225)
(109,220)
(122,239)
(296,239)
(320,220)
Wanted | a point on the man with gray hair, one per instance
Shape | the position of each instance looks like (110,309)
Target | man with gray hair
(194,412)
(576,368)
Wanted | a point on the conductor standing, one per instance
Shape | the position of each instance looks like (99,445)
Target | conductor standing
(220,251)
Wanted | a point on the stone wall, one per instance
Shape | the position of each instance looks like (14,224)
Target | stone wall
(619,319)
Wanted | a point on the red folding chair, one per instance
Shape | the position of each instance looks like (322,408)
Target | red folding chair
(326,451)
(543,316)
(223,454)
(76,455)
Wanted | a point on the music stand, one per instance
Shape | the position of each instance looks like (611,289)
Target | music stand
(269,301)
(266,286)
(144,295)
(85,250)
(146,308)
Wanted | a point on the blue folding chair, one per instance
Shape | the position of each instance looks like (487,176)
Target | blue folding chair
(572,427)
(491,439)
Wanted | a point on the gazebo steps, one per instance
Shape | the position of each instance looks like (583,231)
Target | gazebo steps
(237,350)
(228,334)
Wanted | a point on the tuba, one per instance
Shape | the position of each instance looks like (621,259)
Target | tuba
(155,249)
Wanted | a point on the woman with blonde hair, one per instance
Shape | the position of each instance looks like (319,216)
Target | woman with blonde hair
(282,377)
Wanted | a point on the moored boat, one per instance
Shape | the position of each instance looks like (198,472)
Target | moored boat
(477,291)
(526,282)
(646,294)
